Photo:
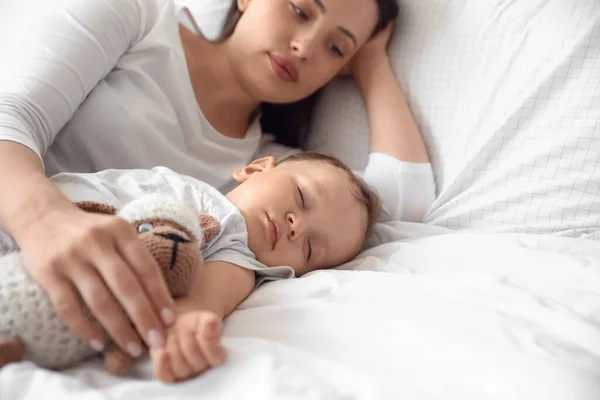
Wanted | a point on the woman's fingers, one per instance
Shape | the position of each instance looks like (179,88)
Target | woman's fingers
(67,304)
(106,256)
(105,309)
(122,280)
(150,278)
(99,259)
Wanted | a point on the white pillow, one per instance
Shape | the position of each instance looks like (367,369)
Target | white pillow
(506,95)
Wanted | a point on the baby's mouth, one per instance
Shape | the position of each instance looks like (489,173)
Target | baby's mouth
(274,231)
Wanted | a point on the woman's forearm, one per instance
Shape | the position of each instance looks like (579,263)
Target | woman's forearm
(392,127)
(25,191)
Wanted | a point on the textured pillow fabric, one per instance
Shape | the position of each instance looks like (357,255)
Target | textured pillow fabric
(507,97)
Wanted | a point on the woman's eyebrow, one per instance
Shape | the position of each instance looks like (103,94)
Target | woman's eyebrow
(321,6)
(345,31)
(348,33)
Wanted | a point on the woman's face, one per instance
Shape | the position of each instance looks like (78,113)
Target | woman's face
(285,50)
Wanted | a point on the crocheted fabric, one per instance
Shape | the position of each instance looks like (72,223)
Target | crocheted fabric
(26,313)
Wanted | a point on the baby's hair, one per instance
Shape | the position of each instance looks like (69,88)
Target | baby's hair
(361,190)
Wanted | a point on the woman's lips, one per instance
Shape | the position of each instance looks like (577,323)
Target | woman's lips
(283,68)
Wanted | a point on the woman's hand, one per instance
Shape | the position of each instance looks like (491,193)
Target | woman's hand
(76,255)
(372,52)
(193,345)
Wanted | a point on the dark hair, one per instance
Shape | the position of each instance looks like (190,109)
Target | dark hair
(290,122)
(361,190)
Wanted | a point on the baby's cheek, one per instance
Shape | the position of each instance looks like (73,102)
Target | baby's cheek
(285,256)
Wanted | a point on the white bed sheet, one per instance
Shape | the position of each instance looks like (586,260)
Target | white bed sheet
(452,316)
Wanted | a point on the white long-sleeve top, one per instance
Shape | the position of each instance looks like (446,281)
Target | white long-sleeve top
(103,84)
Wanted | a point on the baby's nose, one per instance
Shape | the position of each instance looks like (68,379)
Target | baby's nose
(297,226)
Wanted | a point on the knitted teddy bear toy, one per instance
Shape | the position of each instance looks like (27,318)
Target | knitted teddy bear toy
(30,328)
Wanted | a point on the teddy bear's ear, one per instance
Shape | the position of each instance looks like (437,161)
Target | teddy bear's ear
(210,226)
(92,206)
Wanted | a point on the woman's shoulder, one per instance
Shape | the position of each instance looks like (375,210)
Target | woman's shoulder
(146,15)
(126,15)
(153,13)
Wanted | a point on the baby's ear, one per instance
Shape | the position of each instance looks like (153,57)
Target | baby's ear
(210,226)
(260,165)
(99,208)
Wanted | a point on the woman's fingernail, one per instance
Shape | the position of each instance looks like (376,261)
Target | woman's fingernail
(167,316)
(155,339)
(134,349)
(96,345)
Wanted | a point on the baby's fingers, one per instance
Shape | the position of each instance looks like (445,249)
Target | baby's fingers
(190,349)
(179,366)
(208,337)
(161,365)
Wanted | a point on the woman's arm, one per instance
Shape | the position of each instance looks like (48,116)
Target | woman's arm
(64,50)
(398,165)
(393,130)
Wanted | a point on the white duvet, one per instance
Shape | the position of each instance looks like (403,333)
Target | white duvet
(452,316)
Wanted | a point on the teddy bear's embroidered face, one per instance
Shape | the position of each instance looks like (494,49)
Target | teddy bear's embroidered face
(176,250)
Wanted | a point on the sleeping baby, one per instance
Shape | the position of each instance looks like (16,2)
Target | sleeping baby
(284,219)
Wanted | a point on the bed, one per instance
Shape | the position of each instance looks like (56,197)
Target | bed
(431,316)
(496,295)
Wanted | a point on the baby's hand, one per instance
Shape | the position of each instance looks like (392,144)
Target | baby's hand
(192,346)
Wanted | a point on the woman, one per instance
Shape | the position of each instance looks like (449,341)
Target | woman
(103,84)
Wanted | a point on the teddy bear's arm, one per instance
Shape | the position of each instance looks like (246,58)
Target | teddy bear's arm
(210,226)
(99,208)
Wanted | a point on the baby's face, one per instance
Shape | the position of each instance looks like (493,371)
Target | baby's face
(301,214)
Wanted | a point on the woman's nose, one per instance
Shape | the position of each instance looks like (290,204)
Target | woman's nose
(296,226)
(298,51)
(302,46)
